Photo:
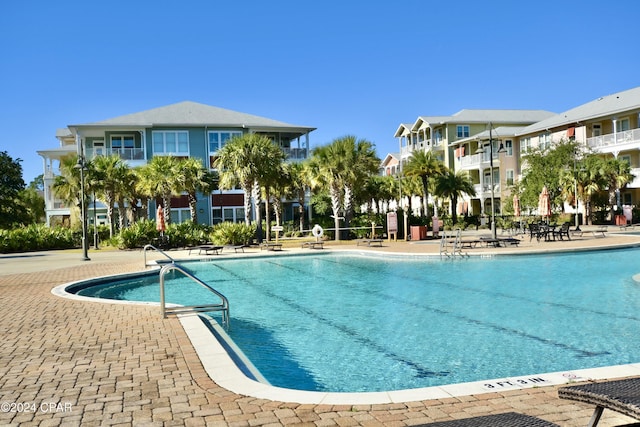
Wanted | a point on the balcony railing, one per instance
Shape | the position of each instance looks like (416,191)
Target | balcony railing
(123,153)
(296,153)
(614,139)
(485,189)
(475,160)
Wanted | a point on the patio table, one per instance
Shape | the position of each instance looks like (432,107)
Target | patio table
(622,396)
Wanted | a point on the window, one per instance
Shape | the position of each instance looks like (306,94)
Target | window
(171,142)
(227,213)
(622,125)
(597,129)
(121,142)
(508,145)
(218,139)
(180,215)
(525,144)
(510,175)
(626,158)
(462,131)
(544,141)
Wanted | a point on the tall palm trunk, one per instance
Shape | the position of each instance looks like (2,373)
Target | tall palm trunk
(257,200)
(301,209)
(193,210)
(425,194)
(334,193)
(122,214)
(348,208)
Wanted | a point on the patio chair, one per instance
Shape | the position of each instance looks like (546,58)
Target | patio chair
(535,231)
(563,231)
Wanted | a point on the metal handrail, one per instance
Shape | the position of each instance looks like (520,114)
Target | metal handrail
(223,306)
(157,250)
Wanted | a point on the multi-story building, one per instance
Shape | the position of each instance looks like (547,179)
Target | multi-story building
(185,129)
(609,125)
(456,141)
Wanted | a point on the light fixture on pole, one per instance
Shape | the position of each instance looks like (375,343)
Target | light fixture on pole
(575,184)
(83,166)
(501,149)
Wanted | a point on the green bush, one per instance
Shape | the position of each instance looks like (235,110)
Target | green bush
(137,235)
(230,233)
(36,237)
(187,233)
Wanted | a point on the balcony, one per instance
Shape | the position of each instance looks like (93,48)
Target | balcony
(615,141)
(123,153)
(484,190)
(295,153)
(477,161)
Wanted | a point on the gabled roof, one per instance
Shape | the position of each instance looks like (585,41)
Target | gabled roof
(496,133)
(403,129)
(604,106)
(483,116)
(499,116)
(190,113)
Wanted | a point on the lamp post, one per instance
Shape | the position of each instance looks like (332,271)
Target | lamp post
(480,150)
(95,224)
(82,166)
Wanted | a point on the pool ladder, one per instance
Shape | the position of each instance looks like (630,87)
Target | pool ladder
(147,247)
(223,306)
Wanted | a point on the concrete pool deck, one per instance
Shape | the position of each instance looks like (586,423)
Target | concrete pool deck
(67,362)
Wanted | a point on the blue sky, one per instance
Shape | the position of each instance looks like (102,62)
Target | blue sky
(344,67)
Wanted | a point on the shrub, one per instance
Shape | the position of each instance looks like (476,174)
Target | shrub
(187,233)
(36,237)
(230,233)
(137,235)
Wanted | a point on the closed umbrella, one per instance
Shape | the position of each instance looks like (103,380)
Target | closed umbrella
(544,203)
(160,224)
(516,205)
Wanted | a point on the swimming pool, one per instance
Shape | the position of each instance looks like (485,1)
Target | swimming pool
(340,322)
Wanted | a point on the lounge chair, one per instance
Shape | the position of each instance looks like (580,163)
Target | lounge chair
(369,242)
(207,249)
(622,396)
(271,246)
(313,245)
(508,419)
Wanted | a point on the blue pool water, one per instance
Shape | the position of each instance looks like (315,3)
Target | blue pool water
(338,322)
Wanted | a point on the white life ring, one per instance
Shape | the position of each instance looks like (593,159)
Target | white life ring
(317,231)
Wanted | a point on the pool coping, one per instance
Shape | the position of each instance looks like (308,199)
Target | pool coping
(223,370)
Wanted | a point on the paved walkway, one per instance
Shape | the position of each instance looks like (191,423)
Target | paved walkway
(66,362)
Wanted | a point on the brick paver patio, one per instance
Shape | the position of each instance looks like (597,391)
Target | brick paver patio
(66,362)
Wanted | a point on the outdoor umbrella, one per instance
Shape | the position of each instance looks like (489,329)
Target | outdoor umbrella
(544,203)
(516,205)
(160,225)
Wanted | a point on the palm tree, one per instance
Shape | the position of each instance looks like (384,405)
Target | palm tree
(298,182)
(617,174)
(339,167)
(453,185)
(66,186)
(362,163)
(125,191)
(590,180)
(249,160)
(160,178)
(195,178)
(107,174)
(425,165)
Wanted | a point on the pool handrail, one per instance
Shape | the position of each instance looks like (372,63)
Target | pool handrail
(223,306)
(150,246)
